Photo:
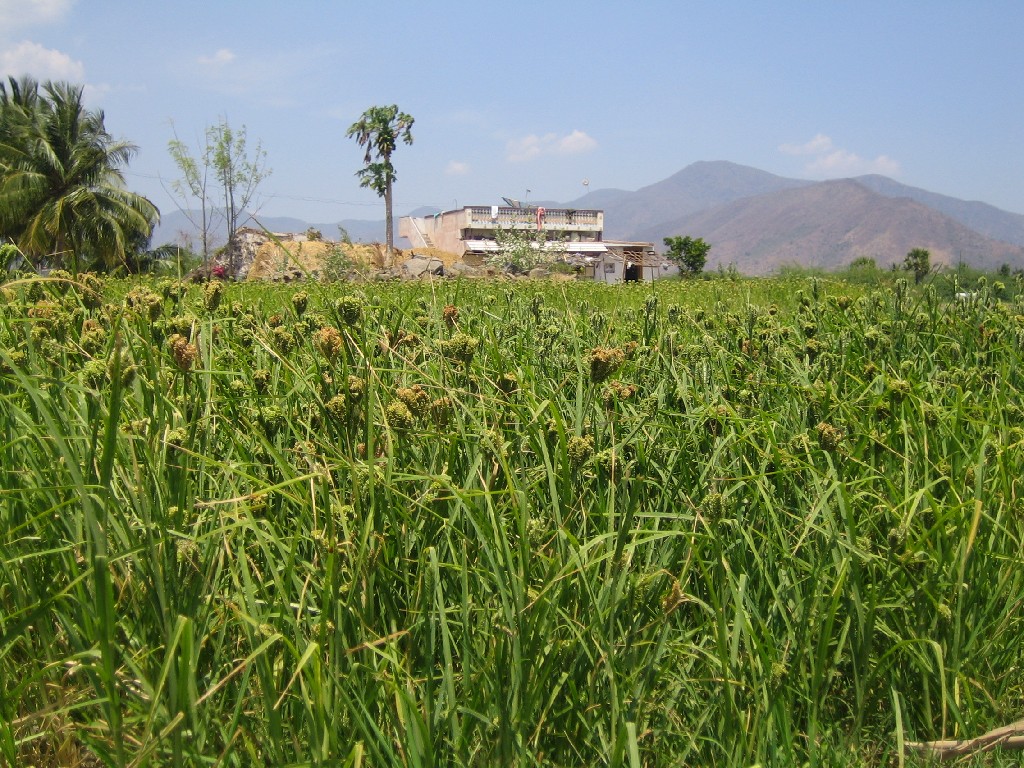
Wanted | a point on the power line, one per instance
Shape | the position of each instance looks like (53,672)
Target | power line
(317,200)
(270,195)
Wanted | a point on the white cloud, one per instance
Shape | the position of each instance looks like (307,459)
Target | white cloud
(28,58)
(829,161)
(221,57)
(576,143)
(456,168)
(281,78)
(531,146)
(843,163)
(526,148)
(15,14)
(817,145)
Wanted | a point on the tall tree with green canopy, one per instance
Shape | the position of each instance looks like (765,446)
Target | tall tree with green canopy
(688,253)
(379,130)
(918,261)
(62,193)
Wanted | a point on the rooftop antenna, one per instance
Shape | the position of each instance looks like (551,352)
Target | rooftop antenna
(527,198)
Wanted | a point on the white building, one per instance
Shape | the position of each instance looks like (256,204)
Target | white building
(472,233)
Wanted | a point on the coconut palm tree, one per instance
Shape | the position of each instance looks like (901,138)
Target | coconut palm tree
(20,102)
(379,130)
(62,193)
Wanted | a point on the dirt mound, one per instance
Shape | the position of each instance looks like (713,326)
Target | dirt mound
(288,259)
(280,260)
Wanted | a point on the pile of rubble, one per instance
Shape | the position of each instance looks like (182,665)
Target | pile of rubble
(286,257)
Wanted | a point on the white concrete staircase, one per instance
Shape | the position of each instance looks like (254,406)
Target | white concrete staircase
(425,239)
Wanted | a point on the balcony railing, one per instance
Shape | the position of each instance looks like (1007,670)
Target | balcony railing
(563,219)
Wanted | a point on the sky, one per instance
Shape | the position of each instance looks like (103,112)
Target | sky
(546,100)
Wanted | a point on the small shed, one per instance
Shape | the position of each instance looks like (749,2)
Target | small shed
(627,262)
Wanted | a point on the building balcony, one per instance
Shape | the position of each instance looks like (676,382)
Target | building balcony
(558,219)
(450,230)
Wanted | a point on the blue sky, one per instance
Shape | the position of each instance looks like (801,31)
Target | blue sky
(539,96)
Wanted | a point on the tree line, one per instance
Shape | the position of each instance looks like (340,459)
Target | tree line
(63,198)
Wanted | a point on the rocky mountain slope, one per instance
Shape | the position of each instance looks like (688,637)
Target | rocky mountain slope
(828,225)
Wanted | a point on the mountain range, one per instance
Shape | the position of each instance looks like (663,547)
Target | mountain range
(760,222)
(179,228)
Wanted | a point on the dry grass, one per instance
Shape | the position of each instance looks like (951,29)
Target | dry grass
(273,260)
(49,737)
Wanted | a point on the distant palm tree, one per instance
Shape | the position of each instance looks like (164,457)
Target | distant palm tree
(379,130)
(62,194)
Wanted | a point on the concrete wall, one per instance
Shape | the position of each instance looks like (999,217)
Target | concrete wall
(444,231)
(611,269)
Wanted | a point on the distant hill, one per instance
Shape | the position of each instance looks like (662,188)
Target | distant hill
(981,217)
(695,188)
(174,226)
(829,224)
(599,199)
(425,210)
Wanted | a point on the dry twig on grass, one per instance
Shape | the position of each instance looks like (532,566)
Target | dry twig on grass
(1008,737)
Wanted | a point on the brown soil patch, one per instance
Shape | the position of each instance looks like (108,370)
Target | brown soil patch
(274,260)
